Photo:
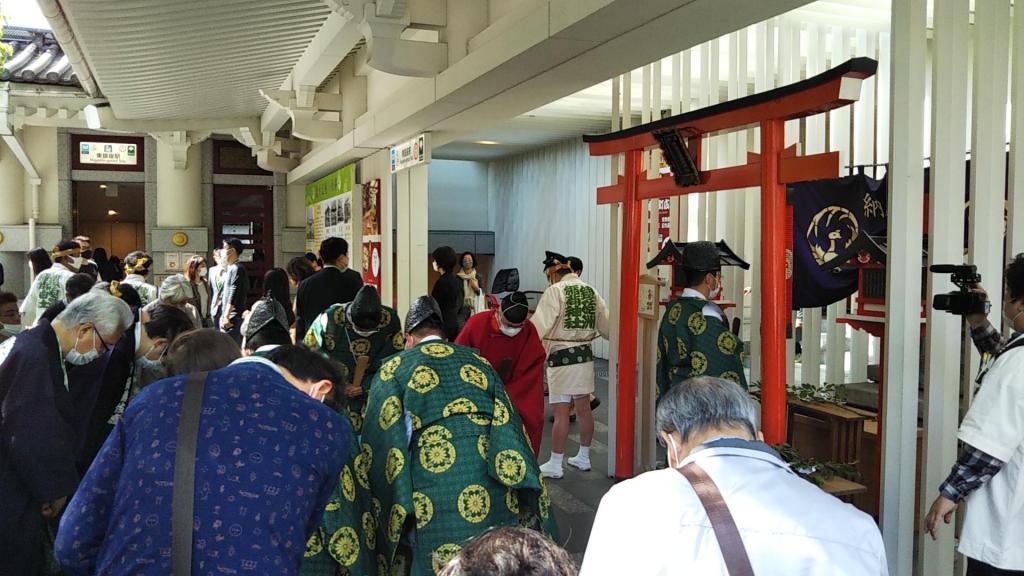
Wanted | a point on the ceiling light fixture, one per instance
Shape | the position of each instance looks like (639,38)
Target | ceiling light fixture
(487,142)
(111,212)
(103,186)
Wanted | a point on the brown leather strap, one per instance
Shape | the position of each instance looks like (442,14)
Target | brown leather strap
(183,494)
(735,554)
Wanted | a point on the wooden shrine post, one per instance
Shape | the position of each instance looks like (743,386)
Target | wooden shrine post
(771,171)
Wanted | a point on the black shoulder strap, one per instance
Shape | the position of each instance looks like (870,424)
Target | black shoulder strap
(729,541)
(183,501)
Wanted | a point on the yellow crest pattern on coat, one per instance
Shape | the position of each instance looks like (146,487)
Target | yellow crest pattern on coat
(360,347)
(348,485)
(339,315)
(545,501)
(482,360)
(443,554)
(697,323)
(424,379)
(437,457)
(314,545)
(387,371)
(698,364)
(727,343)
(473,375)
(730,375)
(328,342)
(344,546)
(501,413)
(512,501)
(459,406)
(390,412)
(416,422)
(424,509)
(681,349)
(398,342)
(674,312)
(395,520)
(310,341)
(437,350)
(511,467)
(362,464)
(482,445)
(370,530)
(474,503)
(393,466)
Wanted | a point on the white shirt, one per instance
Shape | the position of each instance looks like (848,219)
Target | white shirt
(47,289)
(993,529)
(710,309)
(654,524)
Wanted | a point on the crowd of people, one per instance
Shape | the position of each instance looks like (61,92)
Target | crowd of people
(152,429)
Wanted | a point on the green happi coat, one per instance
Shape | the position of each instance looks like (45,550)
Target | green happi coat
(334,336)
(466,466)
(691,344)
(345,541)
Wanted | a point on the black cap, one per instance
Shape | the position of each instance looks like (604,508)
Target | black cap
(701,255)
(515,307)
(553,259)
(365,308)
(422,309)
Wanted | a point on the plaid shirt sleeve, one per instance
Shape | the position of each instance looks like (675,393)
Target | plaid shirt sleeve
(973,469)
(987,339)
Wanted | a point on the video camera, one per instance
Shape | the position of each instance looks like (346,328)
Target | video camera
(964,301)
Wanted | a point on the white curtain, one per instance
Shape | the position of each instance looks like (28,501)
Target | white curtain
(547,200)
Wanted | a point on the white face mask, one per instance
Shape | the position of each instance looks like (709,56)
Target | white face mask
(714,292)
(510,331)
(81,359)
(671,451)
(202,272)
(312,393)
(434,265)
(10,330)
(75,261)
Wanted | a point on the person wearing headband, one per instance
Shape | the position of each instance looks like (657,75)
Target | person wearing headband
(136,267)
(569,316)
(511,345)
(48,287)
(345,333)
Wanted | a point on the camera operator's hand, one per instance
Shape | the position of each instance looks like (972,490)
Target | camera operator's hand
(978,320)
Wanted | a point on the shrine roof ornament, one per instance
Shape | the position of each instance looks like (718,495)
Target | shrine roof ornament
(674,254)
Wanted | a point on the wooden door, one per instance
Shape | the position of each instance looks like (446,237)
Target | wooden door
(247,213)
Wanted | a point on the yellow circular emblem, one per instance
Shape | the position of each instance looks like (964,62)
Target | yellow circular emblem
(424,509)
(370,530)
(697,323)
(424,379)
(501,413)
(344,546)
(179,239)
(435,433)
(698,364)
(437,457)
(387,371)
(482,444)
(474,503)
(398,341)
(390,412)
(348,485)
(393,466)
(545,501)
(339,315)
(473,375)
(328,342)
(681,349)
(314,545)
(674,312)
(483,360)
(730,375)
(310,340)
(362,465)
(437,350)
(727,343)
(511,467)
(416,422)
(360,347)
(512,501)
(385,317)
(356,418)
(459,406)
(443,554)
(395,521)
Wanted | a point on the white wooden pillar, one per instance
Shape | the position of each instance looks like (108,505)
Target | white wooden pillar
(763,80)
(903,282)
(620,119)
(942,364)
(839,131)
(387,226)
(988,149)
(1015,224)
(412,235)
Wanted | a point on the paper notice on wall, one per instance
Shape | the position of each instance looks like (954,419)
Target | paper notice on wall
(371,234)
(329,210)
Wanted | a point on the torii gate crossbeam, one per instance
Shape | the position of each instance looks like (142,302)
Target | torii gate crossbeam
(775,168)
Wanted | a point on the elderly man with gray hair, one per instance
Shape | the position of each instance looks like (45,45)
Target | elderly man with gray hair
(727,503)
(37,458)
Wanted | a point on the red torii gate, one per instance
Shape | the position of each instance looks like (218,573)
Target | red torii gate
(771,170)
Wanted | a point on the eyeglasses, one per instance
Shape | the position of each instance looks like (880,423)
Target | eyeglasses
(106,347)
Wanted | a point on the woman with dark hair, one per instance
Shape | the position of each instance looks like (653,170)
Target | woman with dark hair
(196,273)
(136,266)
(275,285)
(48,286)
(38,260)
(116,269)
(448,290)
(315,262)
(99,256)
(203,350)
(473,298)
(299,269)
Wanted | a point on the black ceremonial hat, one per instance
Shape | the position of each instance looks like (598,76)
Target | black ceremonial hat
(365,308)
(421,310)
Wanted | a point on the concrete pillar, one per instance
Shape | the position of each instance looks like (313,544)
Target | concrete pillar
(12,188)
(942,364)
(411,251)
(41,146)
(179,192)
(903,282)
(295,206)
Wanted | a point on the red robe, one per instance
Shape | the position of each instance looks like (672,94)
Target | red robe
(519,360)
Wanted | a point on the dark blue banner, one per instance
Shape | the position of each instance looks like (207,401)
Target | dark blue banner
(828,215)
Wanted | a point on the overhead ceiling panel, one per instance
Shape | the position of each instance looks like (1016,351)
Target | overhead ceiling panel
(192,59)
